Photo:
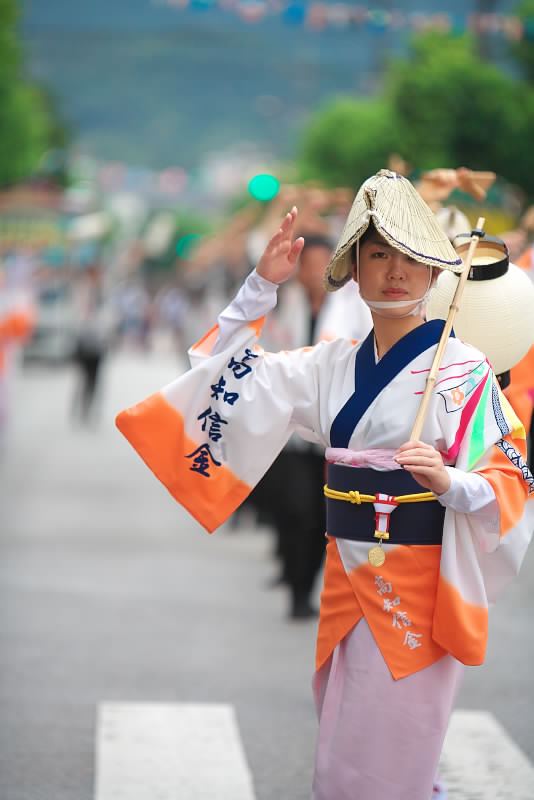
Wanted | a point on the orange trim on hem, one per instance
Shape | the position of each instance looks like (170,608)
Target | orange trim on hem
(397,600)
(257,325)
(340,610)
(459,626)
(156,431)
(206,343)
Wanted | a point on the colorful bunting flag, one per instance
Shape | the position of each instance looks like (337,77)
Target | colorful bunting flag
(320,15)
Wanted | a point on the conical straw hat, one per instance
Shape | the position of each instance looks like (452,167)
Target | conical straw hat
(402,217)
(496,312)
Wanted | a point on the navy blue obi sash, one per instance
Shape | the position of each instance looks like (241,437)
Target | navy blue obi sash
(410,523)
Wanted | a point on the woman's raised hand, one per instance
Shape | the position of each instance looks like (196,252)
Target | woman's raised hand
(280,257)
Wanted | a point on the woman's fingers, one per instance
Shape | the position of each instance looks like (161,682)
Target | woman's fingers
(289,219)
(414,443)
(281,254)
(418,451)
(425,463)
(284,231)
(287,223)
(295,250)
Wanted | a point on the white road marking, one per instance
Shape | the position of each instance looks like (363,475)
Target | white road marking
(481,762)
(190,751)
(163,751)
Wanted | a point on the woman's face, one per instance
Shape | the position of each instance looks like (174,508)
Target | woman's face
(386,274)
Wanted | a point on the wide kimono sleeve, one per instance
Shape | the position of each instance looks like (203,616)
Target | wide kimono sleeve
(479,556)
(210,435)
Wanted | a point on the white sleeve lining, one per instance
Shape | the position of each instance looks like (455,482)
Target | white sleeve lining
(470,493)
(256,297)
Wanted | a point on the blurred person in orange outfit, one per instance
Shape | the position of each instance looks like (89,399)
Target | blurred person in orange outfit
(17,319)
(525,259)
(520,393)
(520,241)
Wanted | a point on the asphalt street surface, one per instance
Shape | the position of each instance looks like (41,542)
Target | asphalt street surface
(110,592)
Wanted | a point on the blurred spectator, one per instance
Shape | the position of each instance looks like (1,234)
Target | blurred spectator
(298,514)
(94,325)
(344,314)
(133,307)
(171,305)
(17,318)
(214,271)
(436,185)
(515,241)
(520,242)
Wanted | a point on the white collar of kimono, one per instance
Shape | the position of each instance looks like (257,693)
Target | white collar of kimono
(378,305)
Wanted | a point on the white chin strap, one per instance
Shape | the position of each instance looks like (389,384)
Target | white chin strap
(378,305)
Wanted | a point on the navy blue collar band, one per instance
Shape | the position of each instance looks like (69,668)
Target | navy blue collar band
(371,377)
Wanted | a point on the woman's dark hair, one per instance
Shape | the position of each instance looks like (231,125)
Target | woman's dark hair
(371,230)
(317,240)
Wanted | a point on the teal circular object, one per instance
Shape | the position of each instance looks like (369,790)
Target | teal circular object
(185,245)
(264,187)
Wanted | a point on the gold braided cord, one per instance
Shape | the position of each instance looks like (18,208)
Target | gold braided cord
(420,497)
(355,497)
(352,496)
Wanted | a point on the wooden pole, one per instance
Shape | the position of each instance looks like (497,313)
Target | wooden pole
(477,233)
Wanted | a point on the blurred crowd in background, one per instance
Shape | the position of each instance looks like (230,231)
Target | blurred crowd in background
(102,258)
(80,286)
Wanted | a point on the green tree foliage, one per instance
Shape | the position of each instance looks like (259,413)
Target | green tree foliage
(347,141)
(454,109)
(442,107)
(27,128)
(523,50)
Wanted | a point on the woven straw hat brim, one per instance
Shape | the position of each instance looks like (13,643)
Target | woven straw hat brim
(402,217)
(496,316)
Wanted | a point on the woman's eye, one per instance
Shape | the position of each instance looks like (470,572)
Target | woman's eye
(379,254)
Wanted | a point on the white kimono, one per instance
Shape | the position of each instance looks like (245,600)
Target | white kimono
(210,436)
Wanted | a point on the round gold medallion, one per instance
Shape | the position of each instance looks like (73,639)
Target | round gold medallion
(376,556)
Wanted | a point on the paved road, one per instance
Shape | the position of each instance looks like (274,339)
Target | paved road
(111,594)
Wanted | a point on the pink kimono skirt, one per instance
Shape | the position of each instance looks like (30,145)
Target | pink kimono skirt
(379,738)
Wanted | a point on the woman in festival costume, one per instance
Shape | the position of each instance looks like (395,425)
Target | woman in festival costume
(422,535)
